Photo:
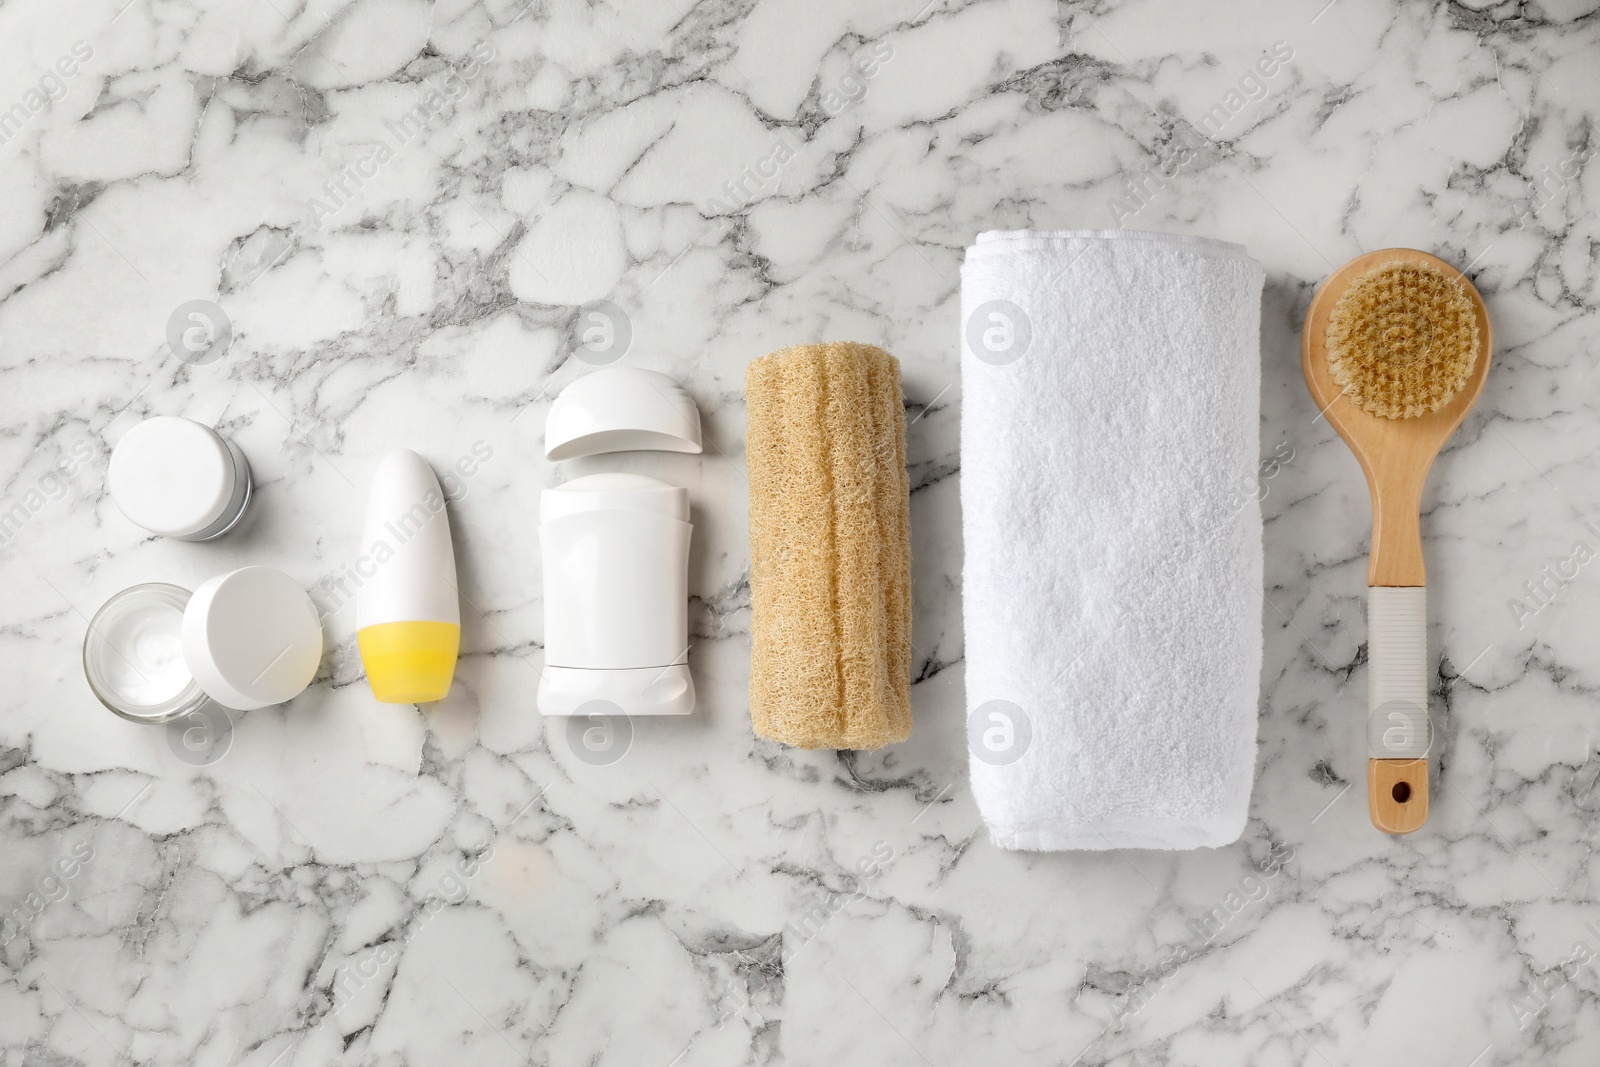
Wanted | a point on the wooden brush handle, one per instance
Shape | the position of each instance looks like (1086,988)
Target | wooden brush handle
(1396,556)
(1399,732)
(1390,780)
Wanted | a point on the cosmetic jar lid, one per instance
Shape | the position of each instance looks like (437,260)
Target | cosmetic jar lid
(621,409)
(252,638)
(179,478)
(246,639)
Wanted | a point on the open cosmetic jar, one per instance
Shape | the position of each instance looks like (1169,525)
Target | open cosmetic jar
(133,655)
(246,639)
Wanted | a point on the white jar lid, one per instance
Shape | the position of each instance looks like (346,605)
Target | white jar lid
(252,638)
(173,476)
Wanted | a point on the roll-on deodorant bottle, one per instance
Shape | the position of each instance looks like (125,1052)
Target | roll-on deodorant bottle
(408,620)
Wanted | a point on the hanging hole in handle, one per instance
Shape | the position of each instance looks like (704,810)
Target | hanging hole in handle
(1401,792)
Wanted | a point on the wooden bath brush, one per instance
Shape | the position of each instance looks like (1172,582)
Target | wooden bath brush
(1395,351)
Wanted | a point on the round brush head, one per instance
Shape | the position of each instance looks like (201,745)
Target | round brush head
(1403,340)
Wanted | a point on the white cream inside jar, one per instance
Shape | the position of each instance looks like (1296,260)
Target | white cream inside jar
(133,655)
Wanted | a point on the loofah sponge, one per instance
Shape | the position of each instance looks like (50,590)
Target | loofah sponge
(1402,340)
(830,548)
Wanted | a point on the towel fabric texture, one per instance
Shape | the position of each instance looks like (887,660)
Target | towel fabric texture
(830,547)
(1112,526)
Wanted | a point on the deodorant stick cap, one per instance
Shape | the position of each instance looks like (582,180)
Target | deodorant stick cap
(621,409)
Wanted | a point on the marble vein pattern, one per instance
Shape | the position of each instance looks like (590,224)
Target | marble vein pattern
(334,227)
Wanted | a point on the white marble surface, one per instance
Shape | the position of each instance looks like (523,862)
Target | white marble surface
(362,883)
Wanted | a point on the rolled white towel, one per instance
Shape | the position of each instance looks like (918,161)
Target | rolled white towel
(1112,585)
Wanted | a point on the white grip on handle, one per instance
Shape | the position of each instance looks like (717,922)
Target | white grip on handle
(1397,673)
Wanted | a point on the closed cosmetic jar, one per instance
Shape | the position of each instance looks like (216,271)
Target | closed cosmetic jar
(179,478)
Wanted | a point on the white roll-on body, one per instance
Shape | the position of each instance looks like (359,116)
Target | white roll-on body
(408,615)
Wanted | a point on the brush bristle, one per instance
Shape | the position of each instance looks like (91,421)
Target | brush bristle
(1402,340)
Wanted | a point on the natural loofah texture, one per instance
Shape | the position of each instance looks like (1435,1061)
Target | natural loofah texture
(1403,340)
(830,548)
